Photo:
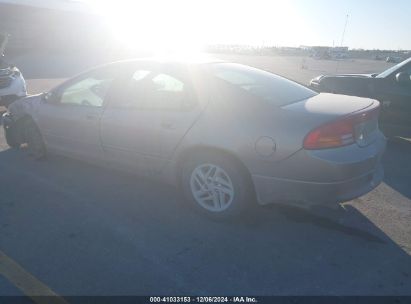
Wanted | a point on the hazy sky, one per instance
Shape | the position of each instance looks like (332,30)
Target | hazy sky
(372,24)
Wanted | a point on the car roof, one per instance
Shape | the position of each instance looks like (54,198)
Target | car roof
(186,61)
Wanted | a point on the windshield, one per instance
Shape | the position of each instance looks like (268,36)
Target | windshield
(270,87)
(393,69)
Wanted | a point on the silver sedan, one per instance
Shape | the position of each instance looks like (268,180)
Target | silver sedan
(227,134)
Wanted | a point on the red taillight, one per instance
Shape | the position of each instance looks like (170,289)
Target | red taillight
(337,133)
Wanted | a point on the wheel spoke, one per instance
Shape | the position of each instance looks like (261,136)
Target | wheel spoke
(209,197)
(221,197)
(216,200)
(202,176)
(198,180)
(223,182)
(227,191)
(210,172)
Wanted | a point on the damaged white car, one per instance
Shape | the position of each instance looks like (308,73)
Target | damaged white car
(12,83)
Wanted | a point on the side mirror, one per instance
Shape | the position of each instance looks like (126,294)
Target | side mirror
(49,97)
(403,78)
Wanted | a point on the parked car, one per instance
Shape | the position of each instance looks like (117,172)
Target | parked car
(12,83)
(391,87)
(393,59)
(227,134)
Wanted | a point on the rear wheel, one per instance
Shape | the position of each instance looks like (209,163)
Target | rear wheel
(216,185)
(34,139)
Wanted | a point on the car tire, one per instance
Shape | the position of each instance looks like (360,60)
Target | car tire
(5,101)
(10,133)
(216,185)
(34,140)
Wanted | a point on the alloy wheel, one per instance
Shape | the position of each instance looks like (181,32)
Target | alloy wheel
(212,187)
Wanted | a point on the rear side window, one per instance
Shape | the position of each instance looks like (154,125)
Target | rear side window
(267,86)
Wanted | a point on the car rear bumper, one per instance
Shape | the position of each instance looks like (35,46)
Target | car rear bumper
(270,189)
(323,176)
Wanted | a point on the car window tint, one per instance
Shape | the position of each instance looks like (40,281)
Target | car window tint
(267,86)
(89,91)
(136,90)
(394,68)
(155,91)
(166,83)
(408,70)
(139,75)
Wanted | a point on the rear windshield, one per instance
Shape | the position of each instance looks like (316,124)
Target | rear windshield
(393,69)
(270,87)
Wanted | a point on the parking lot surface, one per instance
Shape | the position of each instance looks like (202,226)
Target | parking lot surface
(86,230)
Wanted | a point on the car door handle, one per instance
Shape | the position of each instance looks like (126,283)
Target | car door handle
(168,125)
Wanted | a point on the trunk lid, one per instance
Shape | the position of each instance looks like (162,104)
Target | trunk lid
(326,106)
(309,114)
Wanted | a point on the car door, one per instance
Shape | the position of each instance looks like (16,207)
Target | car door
(130,124)
(143,124)
(183,98)
(396,99)
(69,119)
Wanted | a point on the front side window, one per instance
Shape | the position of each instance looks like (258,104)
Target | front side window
(152,90)
(89,91)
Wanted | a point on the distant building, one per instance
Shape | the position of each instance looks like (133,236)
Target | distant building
(52,27)
(326,52)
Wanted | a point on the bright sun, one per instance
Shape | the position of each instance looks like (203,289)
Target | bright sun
(189,25)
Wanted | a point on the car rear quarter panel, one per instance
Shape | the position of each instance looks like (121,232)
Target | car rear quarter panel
(233,122)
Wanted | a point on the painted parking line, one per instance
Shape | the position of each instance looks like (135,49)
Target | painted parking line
(27,283)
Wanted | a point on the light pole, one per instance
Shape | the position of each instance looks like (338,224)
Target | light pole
(345,27)
(342,39)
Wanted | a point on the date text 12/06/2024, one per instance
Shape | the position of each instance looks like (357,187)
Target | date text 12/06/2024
(203,300)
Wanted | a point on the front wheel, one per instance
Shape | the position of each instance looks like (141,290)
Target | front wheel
(216,185)
(11,135)
(34,139)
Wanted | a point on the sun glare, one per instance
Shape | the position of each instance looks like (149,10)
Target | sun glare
(187,26)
